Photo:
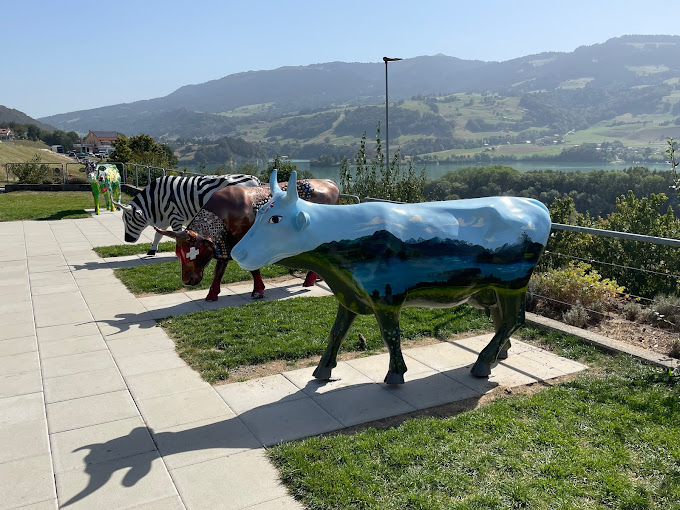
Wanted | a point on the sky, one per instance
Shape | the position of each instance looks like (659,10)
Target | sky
(61,57)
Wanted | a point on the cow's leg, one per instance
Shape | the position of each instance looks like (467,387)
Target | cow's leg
(154,244)
(388,320)
(258,285)
(214,290)
(507,317)
(310,279)
(95,194)
(343,321)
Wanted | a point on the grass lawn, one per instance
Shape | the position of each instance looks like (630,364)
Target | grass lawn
(217,342)
(608,439)
(39,205)
(44,205)
(123,250)
(166,277)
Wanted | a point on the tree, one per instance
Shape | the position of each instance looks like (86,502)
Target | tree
(284,168)
(143,150)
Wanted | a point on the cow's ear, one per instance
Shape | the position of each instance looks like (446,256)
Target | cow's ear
(301,221)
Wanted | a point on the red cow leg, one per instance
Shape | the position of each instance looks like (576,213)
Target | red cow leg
(258,285)
(220,267)
(311,279)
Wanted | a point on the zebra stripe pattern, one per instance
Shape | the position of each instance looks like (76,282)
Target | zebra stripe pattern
(171,201)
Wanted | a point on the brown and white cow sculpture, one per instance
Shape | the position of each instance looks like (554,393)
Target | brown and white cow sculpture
(224,220)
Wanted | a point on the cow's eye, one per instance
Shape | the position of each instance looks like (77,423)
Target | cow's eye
(275,219)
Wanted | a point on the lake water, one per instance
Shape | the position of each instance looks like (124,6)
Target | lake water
(434,171)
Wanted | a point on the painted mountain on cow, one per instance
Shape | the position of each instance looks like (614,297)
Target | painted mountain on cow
(384,265)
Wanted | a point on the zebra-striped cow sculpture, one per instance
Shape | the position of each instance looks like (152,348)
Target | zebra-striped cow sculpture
(171,201)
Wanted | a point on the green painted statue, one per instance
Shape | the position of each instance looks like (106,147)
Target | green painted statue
(105,179)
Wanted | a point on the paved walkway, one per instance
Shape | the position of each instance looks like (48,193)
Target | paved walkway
(98,411)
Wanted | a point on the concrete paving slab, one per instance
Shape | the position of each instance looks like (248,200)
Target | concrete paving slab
(76,449)
(76,363)
(21,409)
(18,317)
(343,376)
(247,395)
(172,503)
(18,345)
(288,420)
(430,389)
(18,363)
(17,330)
(63,317)
(246,479)
(70,346)
(26,481)
(16,307)
(443,356)
(117,484)
(114,330)
(43,505)
(164,382)
(375,367)
(149,362)
(284,503)
(178,408)
(54,289)
(61,331)
(86,411)
(22,440)
(481,385)
(52,278)
(359,404)
(530,368)
(13,385)
(119,310)
(10,293)
(153,340)
(200,441)
(83,384)
(104,293)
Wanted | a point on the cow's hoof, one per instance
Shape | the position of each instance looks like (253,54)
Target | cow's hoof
(394,378)
(211,297)
(309,281)
(481,369)
(323,373)
(503,354)
(257,295)
(151,253)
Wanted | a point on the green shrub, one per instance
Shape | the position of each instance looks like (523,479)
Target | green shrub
(576,283)
(576,316)
(667,310)
(31,172)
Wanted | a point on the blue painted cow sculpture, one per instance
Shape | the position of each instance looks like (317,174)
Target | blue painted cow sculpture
(378,257)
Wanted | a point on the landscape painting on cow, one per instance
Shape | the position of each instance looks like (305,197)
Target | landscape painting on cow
(224,220)
(377,257)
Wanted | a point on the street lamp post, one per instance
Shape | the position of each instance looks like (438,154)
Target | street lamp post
(387,115)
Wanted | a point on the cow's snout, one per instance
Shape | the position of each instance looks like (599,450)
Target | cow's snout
(129,238)
(239,253)
(191,279)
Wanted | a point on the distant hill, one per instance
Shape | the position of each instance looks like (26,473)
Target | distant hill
(12,115)
(626,88)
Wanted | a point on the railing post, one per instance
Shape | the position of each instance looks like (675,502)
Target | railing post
(136,177)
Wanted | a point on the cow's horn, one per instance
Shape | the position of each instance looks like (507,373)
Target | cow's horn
(291,192)
(273,182)
(124,207)
(180,234)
